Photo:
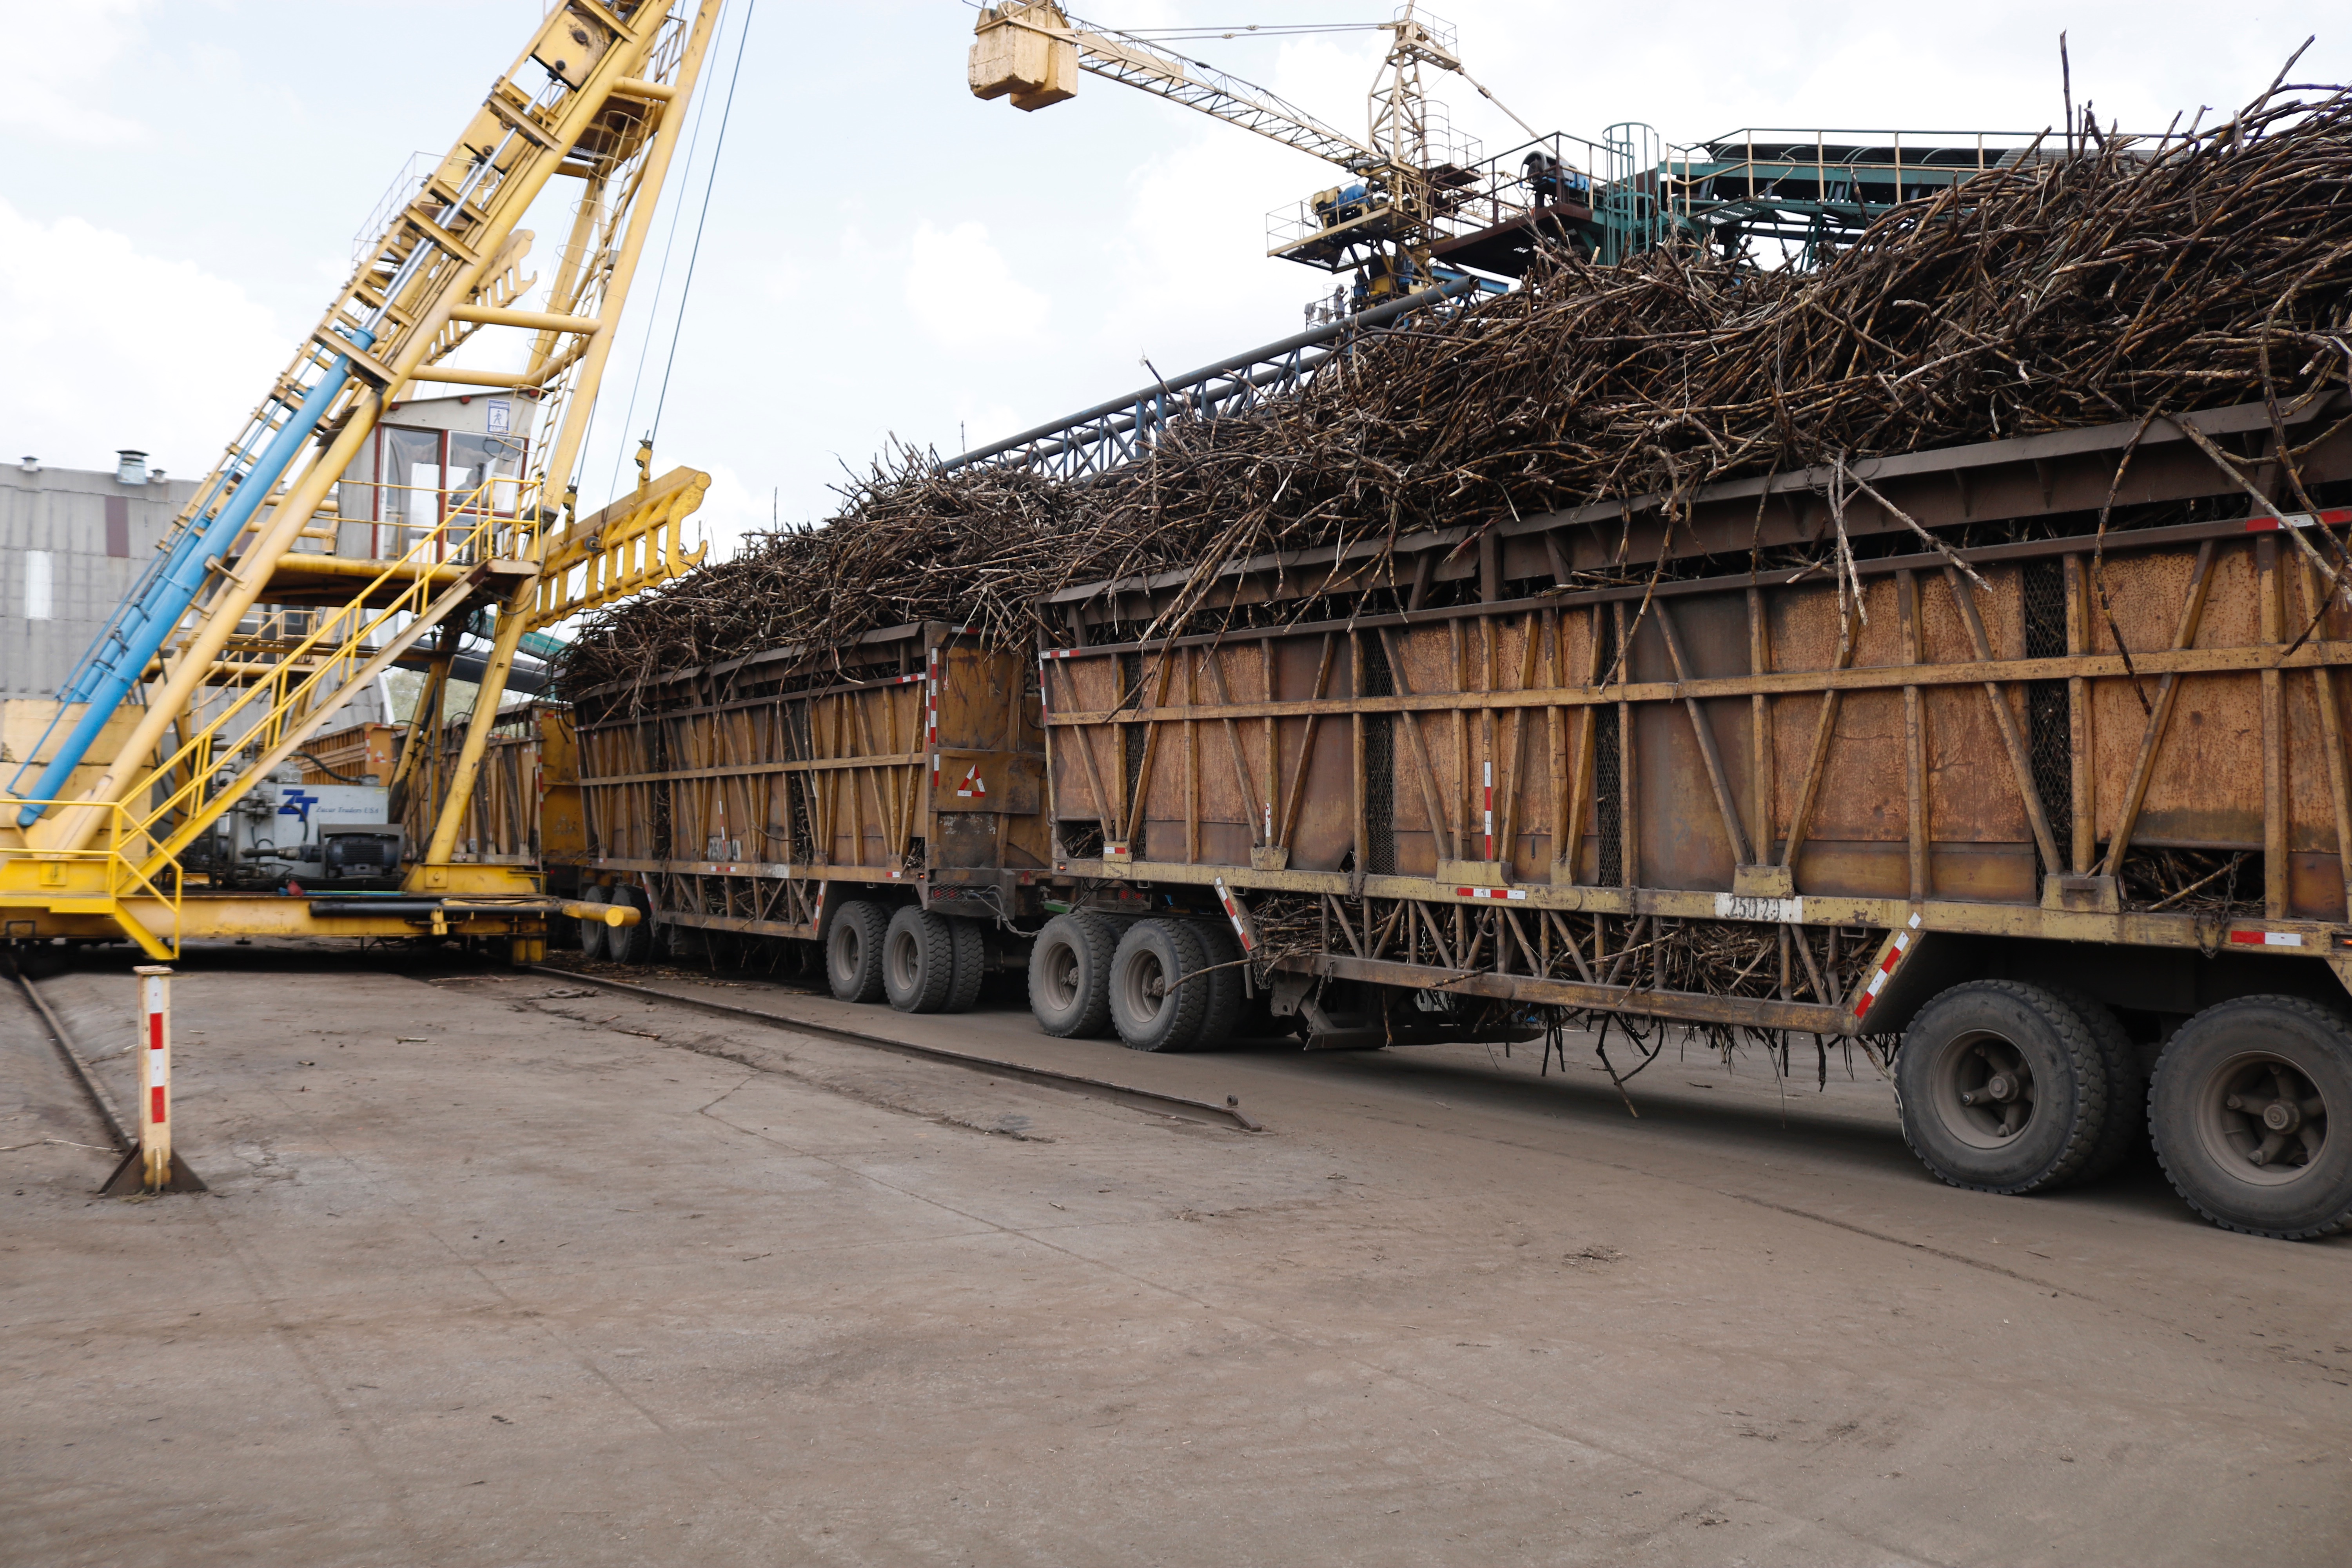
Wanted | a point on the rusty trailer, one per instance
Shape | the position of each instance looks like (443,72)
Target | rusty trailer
(885,800)
(2027,756)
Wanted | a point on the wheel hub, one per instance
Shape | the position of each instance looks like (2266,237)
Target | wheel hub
(2283,1122)
(2001,1089)
(1993,1088)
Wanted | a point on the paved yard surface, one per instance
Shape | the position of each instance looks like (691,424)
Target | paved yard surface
(497,1273)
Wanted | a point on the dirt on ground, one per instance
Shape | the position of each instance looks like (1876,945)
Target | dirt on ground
(502,1268)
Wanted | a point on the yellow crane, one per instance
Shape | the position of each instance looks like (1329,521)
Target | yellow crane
(270,604)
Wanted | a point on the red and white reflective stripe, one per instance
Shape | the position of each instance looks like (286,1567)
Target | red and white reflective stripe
(2266,938)
(904,679)
(1896,950)
(973,787)
(158,1055)
(1234,913)
(1056,653)
(1114,849)
(154,1075)
(1490,892)
(932,712)
(2297,520)
(1490,811)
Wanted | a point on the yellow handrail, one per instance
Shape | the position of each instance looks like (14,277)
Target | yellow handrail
(47,878)
(183,783)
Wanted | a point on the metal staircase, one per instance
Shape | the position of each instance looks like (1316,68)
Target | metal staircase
(596,95)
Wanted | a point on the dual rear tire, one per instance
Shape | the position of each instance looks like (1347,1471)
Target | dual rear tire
(618,945)
(1161,984)
(917,961)
(1070,976)
(2242,1110)
(931,964)
(2012,1088)
(631,944)
(2005,1089)
(593,945)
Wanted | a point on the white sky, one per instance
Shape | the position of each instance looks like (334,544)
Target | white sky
(884,254)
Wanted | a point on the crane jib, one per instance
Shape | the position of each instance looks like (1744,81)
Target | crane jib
(107,675)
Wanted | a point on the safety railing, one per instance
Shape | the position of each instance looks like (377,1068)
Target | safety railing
(98,877)
(1795,183)
(188,789)
(390,517)
(1549,172)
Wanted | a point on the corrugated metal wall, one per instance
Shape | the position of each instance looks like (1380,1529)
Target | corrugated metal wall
(64,515)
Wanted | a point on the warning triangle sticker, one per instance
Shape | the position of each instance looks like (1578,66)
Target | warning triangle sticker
(973,787)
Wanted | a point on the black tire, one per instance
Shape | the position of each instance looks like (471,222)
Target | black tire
(595,936)
(853,950)
(1070,976)
(2125,1132)
(1151,1005)
(631,944)
(970,964)
(1228,992)
(919,954)
(2003,1087)
(2245,1050)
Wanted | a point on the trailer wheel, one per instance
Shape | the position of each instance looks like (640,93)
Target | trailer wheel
(1150,1003)
(592,933)
(1228,994)
(2003,1087)
(1070,976)
(2126,1123)
(853,950)
(2243,1112)
(919,954)
(631,944)
(970,964)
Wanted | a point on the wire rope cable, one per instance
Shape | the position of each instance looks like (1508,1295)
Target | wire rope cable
(718,151)
(661,279)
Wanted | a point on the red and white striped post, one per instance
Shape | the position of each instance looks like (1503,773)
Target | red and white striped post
(154,1075)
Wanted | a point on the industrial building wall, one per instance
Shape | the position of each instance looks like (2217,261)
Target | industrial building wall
(70,543)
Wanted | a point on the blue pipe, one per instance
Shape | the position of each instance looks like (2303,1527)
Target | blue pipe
(144,628)
(93,661)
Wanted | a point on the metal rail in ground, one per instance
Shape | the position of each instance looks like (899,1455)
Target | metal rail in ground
(98,1098)
(1229,1114)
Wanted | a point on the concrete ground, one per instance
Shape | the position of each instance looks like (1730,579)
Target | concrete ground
(495,1272)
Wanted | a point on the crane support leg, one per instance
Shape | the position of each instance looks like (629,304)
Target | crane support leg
(458,788)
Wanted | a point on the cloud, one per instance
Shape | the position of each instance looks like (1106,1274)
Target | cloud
(59,60)
(729,512)
(960,288)
(81,308)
